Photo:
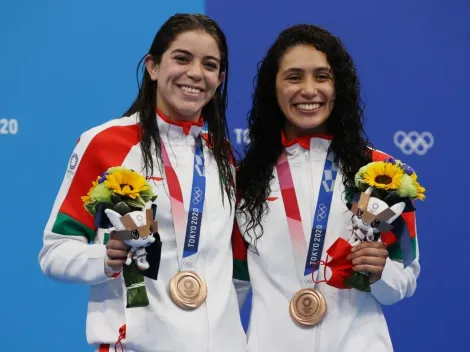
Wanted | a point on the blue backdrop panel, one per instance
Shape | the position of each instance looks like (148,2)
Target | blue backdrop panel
(65,67)
(412,57)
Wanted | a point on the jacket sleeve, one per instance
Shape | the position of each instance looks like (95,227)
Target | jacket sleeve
(241,276)
(398,282)
(67,253)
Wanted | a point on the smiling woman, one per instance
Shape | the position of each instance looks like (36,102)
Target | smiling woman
(189,302)
(305,90)
(306,144)
(187,75)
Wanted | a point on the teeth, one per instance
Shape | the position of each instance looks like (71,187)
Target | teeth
(308,107)
(190,89)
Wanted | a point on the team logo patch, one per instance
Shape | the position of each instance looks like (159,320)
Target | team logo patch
(73,161)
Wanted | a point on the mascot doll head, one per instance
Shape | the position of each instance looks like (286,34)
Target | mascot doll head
(136,228)
(372,216)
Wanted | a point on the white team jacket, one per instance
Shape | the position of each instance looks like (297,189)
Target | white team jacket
(67,255)
(354,321)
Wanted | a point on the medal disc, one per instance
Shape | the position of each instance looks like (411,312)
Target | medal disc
(307,307)
(188,290)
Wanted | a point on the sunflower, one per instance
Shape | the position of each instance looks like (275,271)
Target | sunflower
(126,183)
(383,175)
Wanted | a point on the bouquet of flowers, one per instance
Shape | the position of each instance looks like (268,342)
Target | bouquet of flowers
(384,190)
(121,198)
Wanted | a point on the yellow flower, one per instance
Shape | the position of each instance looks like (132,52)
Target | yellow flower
(419,189)
(87,198)
(126,183)
(382,175)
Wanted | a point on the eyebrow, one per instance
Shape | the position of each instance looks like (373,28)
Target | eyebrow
(300,70)
(182,51)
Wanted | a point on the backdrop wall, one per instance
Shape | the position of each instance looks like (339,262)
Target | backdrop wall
(68,66)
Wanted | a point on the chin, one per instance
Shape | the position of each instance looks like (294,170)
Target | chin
(189,110)
(310,125)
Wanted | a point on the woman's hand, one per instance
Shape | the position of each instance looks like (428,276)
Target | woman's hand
(369,257)
(116,252)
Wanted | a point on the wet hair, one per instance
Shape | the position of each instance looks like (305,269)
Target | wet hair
(213,112)
(266,120)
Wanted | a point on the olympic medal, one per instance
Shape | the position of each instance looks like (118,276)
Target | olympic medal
(307,307)
(188,290)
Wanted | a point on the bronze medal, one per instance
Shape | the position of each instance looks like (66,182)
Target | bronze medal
(307,307)
(188,290)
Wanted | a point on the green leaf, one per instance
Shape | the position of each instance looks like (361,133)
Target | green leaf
(141,201)
(116,198)
(359,281)
(136,203)
(147,194)
(90,207)
(136,297)
(105,205)
(122,208)
(350,192)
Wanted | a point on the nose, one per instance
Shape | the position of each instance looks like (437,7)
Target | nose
(309,88)
(195,71)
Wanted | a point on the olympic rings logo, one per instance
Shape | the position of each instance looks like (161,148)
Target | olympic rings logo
(197,195)
(188,264)
(413,142)
(321,212)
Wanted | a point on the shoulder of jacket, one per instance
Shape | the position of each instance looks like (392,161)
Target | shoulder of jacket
(117,124)
(379,155)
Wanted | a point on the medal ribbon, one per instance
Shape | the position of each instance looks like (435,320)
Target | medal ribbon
(187,235)
(294,220)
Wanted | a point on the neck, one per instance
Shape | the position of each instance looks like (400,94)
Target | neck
(292,132)
(174,116)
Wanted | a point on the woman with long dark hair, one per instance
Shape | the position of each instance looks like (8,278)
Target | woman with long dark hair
(161,136)
(306,143)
